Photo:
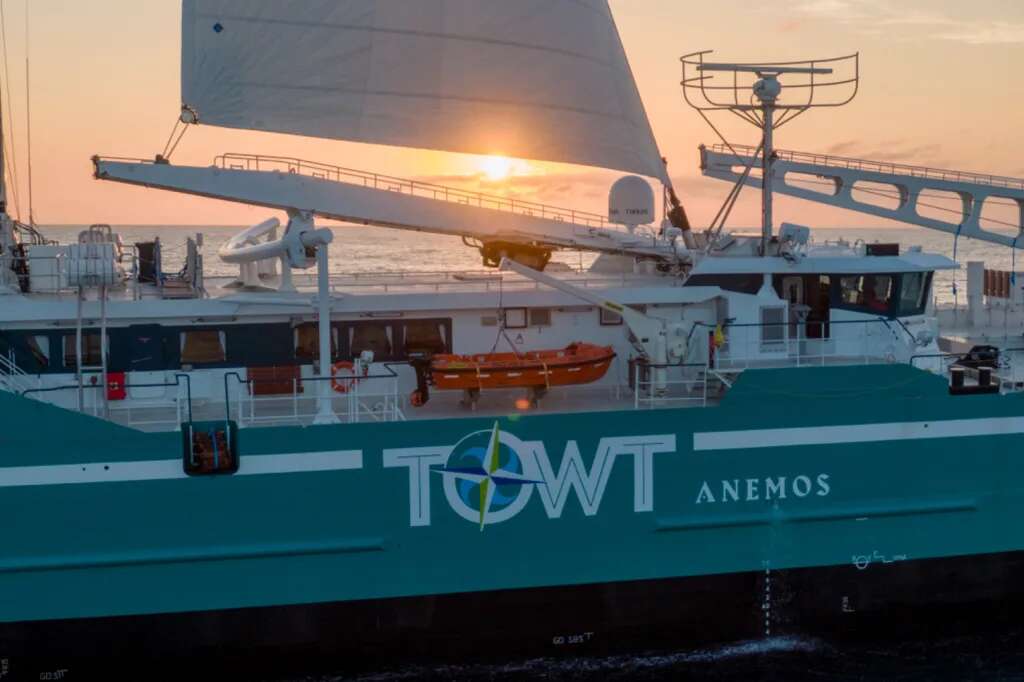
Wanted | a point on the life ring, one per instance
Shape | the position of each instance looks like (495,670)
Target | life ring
(342,384)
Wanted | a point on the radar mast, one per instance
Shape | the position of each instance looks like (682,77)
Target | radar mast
(754,92)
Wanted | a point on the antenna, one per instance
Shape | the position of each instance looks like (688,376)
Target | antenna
(753,91)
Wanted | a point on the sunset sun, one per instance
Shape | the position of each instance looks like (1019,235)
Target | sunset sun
(496,168)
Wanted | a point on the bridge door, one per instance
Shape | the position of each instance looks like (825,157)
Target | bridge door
(808,297)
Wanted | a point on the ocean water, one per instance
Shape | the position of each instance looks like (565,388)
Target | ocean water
(363,249)
(989,657)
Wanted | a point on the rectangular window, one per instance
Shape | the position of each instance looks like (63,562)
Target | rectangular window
(913,293)
(371,336)
(38,347)
(609,319)
(540,317)
(203,346)
(878,290)
(866,293)
(850,293)
(515,318)
(307,341)
(90,350)
(773,325)
(425,336)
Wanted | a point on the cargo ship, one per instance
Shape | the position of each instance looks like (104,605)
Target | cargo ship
(705,435)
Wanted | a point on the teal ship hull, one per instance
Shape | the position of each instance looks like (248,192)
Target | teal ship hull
(814,500)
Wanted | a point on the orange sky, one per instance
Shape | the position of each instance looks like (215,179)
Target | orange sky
(940,87)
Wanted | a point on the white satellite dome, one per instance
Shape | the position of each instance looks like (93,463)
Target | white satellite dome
(631,202)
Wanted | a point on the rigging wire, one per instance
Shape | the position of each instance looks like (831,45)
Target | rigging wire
(28,120)
(172,142)
(10,160)
(1013,261)
(502,330)
(730,200)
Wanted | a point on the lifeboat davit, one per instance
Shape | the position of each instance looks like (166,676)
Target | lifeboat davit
(577,363)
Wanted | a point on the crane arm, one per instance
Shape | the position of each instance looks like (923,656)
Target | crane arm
(648,330)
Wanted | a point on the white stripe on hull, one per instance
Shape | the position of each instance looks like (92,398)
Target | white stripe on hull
(167,469)
(856,433)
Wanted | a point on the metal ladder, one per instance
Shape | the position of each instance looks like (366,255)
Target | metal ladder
(102,367)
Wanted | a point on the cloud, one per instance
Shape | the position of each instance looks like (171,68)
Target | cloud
(992,33)
(845,147)
(872,17)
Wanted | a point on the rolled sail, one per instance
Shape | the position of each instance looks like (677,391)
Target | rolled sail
(534,79)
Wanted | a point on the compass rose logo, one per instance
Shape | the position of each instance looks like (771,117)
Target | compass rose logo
(489,476)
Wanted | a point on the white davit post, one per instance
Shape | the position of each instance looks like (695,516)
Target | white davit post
(300,234)
(325,412)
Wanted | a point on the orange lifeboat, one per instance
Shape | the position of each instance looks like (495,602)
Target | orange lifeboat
(577,363)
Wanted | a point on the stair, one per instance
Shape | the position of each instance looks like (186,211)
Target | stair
(12,378)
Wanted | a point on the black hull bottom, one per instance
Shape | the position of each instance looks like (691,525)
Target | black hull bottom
(881,602)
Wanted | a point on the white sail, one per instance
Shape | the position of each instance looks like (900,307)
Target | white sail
(534,79)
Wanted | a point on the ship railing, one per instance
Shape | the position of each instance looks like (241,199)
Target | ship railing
(55,273)
(417,188)
(669,385)
(14,379)
(880,166)
(1008,370)
(147,414)
(373,397)
(483,280)
(788,344)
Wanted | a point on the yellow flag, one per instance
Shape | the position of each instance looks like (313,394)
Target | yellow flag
(719,337)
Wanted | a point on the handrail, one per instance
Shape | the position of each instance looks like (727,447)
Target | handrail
(883,167)
(248,381)
(325,171)
(165,384)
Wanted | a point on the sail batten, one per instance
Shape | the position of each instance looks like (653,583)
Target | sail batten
(536,79)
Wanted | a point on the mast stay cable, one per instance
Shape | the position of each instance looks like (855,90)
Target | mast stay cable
(10,160)
(28,119)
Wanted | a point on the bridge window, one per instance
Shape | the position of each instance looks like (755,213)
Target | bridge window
(913,292)
(203,346)
(866,293)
